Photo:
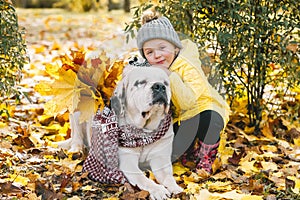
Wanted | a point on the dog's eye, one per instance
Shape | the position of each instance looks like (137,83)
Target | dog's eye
(166,83)
(140,83)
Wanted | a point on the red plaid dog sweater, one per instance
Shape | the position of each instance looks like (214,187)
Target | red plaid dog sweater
(102,160)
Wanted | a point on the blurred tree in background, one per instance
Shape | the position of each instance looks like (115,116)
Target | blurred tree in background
(12,52)
(253,50)
(78,5)
(75,5)
(34,3)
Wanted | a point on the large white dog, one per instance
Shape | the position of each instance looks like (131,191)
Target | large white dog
(142,99)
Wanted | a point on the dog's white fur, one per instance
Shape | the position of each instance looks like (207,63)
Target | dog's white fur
(81,134)
(134,104)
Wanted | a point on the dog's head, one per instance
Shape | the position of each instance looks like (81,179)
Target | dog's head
(142,98)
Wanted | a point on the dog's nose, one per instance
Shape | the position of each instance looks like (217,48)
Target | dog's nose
(158,87)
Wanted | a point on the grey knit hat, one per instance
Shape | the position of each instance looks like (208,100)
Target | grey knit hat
(160,28)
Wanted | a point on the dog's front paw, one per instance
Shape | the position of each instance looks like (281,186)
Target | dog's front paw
(159,192)
(70,145)
(65,144)
(75,148)
(170,183)
(175,189)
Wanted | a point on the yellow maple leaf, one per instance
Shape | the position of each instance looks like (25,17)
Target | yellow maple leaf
(296,189)
(192,188)
(240,103)
(295,154)
(39,49)
(110,79)
(290,125)
(66,90)
(3,124)
(53,127)
(68,162)
(204,194)
(52,70)
(111,198)
(225,153)
(88,188)
(49,157)
(248,167)
(252,197)
(43,88)
(279,179)
(87,106)
(64,130)
(297,141)
(18,179)
(249,130)
(269,166)
(32,196)
(91,71)
(179,169)
(193,177)
(82,83)
(250,137)
(56,46)
(269,148)
(9,108)
(217,164)
(266,131)
(219,185)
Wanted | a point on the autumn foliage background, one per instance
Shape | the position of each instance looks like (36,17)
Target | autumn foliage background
(251,166)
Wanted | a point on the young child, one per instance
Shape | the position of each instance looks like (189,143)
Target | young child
(195,102)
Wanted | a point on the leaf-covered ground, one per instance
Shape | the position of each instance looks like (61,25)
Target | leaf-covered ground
(31,167)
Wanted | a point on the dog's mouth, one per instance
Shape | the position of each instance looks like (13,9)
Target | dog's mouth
(159,102)
(160,98)
(156,108)
(145,113)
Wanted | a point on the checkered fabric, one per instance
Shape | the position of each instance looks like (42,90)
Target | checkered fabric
(202,154)
(130,136)
(207,154)
(102,161)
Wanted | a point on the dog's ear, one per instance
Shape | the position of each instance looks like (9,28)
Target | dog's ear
(118,99)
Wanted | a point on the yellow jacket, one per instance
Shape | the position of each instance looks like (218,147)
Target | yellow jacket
(191,91)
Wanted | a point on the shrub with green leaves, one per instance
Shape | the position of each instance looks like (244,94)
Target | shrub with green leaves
(12,51)
(251,45)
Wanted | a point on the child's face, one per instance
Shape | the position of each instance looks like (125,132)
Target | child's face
(160,52)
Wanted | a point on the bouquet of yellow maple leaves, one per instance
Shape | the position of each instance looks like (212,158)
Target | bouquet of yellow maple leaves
(81,83)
